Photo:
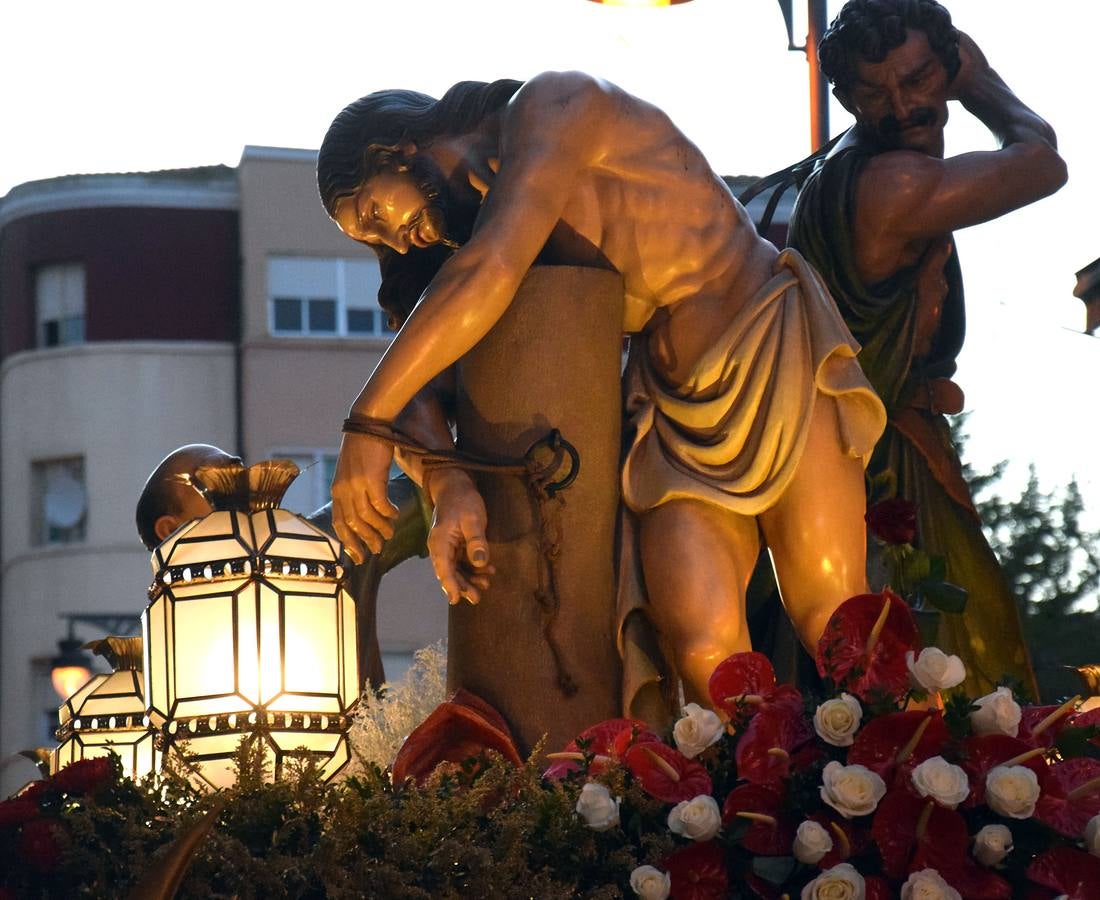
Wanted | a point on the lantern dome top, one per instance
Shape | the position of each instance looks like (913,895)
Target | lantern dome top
(232,486)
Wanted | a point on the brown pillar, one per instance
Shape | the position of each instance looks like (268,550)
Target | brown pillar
(553,361)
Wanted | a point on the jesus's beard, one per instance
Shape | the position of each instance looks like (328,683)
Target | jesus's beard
(448,216)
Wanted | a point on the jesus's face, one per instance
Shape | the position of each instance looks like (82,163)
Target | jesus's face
(902,101)
(392,209)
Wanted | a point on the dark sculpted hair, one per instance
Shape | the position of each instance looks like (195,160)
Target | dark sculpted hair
(365,137)
(866,30)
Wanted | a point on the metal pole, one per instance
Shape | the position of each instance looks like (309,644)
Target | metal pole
(817,20)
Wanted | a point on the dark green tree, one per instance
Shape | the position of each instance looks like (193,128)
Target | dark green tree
(1052,562)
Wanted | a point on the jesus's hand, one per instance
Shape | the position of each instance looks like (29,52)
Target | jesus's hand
(361,510)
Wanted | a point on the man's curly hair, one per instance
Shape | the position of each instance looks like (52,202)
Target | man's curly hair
(866,30)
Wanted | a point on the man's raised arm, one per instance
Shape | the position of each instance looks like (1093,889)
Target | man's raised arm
(913,197)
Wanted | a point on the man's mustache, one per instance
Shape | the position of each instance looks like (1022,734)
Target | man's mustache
(890,125)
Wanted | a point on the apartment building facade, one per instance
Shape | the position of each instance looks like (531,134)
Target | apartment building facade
(140,312)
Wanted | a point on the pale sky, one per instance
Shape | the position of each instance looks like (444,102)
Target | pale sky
(129,86)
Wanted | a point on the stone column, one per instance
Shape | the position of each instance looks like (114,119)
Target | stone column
(552,361)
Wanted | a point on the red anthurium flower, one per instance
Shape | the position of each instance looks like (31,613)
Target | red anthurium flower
(893,521)
(85,776)
(980,753)
(1040,725)
(864,645)
(743,675)
(456,730)
(877,888)
(1071,796)
(902,738)
(905,824)
(665,773)
(698,872)
(770,832)
(608,738)
(849,839)
(1067,871)
(775,732)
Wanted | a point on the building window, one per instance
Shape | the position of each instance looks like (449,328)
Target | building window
(59,304)
(311,489)
(314,297)
(60,508)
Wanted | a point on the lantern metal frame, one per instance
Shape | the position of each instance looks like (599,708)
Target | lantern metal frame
(270,567)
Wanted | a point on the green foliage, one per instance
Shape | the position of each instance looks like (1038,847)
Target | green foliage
(1052,562)
(489,830)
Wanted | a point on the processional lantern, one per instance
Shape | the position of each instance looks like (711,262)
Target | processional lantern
(107,714)
(249,632)
(69,670)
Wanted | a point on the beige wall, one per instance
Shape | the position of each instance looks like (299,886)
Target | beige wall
(122,407)
(296,391)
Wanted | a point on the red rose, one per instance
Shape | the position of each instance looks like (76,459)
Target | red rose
(85,776)
(893,521)
(40,843)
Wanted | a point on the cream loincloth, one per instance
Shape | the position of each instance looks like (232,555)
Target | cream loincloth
(733,434)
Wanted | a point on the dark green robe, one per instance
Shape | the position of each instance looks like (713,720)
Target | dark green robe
(916,446)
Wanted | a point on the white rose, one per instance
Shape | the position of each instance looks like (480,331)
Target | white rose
(997,713)
(851,790)
(597,807)
(811,842)
(934,670)
(837,720)
(1092,836)
(698,819)
(697,730)
(841,882)
(992,844)
(1012,791)
(928,884)
(650,883)
(943,782)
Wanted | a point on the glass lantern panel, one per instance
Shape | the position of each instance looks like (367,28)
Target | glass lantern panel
(156,643)
(312,646)
(271,648)
(118,694)
(349,661)
(313,742)
(204,645)
(221,535)
(248,648)
(71,708)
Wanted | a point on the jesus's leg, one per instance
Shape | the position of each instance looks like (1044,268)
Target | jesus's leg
(816,533)
(697,561)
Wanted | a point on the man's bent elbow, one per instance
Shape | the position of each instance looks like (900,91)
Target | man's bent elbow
(1046,169)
